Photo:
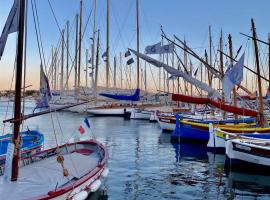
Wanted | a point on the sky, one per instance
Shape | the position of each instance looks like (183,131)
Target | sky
(187,19)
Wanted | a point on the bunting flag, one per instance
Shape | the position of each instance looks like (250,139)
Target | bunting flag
(172,78)
(196,71)
(127,53)
(81,130)
(104,55)
(11,26)
(130,61)
(153,49)
(86,122)
(233,76)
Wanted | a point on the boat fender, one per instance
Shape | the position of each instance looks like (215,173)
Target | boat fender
(95,186)
(105,173)
(80,196)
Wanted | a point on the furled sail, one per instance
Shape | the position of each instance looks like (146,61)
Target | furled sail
(217,104)
(134,97)
(179,73)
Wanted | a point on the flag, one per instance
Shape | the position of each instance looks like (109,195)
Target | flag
(166,48)
(233,76)
(172,78)
(44,90)
(196,71)
(104,55)
(81,130)
(127,53)
(86,122)
(130,61)
(11,26)
(153,49)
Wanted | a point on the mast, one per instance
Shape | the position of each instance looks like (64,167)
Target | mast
(108,45)
(185,63)
(210,56)
(76,50)
(80,52)
(121,72)
(114,72)
(221,68)
(234,91)
(269,61)
(62,63)
(67,50)
(94,41)
(256,51)
(86,68)
(96,74)
(145,80)
(138,43)
(17,98)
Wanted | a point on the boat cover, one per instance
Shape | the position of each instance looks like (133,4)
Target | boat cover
(217,104)
(134,97)
(46,175)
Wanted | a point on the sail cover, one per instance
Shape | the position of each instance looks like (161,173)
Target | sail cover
(134,97)
(217,104)
(179,73)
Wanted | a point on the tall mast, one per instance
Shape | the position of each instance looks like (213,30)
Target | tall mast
(185,63)
(221,67)
(138,43)
(210,56)
(121,72)
(256,51)
(86,68)
(114,72)
(76,50)
(62,63)
(96,74)
(234,91)
(17,99)
(269,61)
(80,52)
(67,52)
(94,41)
(108,45)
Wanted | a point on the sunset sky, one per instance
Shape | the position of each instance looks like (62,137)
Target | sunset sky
(187,19)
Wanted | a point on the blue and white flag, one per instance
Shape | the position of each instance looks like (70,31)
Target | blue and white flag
(11,26)
(169,48)
(86,122)
(233,76)
(153,49)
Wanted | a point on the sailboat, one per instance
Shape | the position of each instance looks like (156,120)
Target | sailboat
(69,171)
(251,153)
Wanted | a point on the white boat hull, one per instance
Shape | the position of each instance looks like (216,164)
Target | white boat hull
(140,114)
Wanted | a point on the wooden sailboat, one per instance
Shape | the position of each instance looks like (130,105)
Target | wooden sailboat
(70,171)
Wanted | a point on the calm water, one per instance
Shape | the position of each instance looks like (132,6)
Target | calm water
(145,165)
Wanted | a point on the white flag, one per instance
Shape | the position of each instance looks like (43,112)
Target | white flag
(11,26)
(232,77)
(153,49)
(167,48)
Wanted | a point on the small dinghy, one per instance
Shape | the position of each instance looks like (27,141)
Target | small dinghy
(31,142)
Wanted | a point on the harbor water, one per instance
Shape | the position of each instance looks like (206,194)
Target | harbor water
(144,164)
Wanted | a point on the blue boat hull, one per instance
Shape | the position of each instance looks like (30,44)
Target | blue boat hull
(30,140)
